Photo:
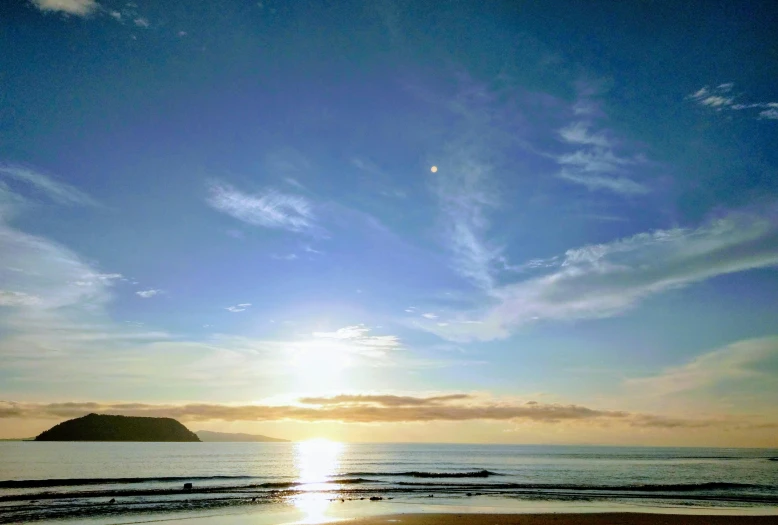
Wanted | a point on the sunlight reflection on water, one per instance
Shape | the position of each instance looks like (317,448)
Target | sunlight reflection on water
(317,461)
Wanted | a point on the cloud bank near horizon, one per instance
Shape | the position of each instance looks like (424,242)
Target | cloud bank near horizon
(375,409)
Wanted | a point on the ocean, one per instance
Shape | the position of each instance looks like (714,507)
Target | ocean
(79,481)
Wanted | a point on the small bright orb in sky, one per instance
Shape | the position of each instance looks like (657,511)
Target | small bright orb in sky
(433,169)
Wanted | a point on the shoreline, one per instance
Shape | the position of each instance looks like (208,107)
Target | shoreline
(598,518)
(320,512)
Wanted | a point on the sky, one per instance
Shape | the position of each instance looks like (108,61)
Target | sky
(500,222)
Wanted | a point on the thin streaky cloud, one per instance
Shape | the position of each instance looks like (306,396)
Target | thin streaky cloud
(147,294)
(600,281)
(383,400)
(465,198)
(620,185)
(269,208)
(360,333)
(594,163)
(57,191)
(747,361)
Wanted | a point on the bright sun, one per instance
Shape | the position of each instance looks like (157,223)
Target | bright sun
(319,365)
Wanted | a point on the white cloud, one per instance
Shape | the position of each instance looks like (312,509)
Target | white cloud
(771,114)
(57,191)
(270,209)
(719,99)
(429,316)
(141,22)
(358,334)
(238,308)
(71,7)
(715,101)
(147,294)
(603,280)
(753,360)
(578,133)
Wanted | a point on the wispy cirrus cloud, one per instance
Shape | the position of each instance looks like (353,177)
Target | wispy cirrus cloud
(53,300)
(595,163)
(722,98)
(57,191)
(268,209)
(754,361)
(71,7)
(45,276)
(148,294)
(463,187)
(604,280)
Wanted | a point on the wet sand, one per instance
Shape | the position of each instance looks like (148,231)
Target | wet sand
(622,518)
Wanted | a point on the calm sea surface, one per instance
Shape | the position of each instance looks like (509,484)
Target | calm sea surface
(77,480)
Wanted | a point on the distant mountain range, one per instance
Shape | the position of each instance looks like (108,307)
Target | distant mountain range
(224,437)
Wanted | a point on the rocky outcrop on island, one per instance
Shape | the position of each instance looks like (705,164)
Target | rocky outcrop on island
(98,427)
(225,437)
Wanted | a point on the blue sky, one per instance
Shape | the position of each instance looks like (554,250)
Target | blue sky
(214,212)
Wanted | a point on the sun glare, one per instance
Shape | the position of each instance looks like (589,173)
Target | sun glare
(317,462)
(319,365)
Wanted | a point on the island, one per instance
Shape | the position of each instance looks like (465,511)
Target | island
(225,437)
(99,427)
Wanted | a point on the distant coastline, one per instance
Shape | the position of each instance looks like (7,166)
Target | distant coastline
(227,437)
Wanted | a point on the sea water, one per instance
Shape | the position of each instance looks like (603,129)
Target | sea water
(47,480)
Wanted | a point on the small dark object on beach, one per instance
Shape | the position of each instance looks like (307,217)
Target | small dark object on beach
(389,498)
(469,493)
(360,499)
(113,500)
(376,498)
(342,500)
(187,486)
(431,496)
(32,501)
(253,499)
